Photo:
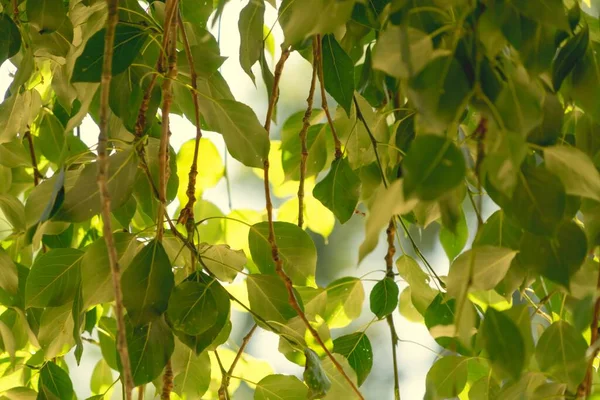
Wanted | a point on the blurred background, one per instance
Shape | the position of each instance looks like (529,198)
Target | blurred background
(337,257)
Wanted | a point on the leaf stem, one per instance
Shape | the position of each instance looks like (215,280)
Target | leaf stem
(36,172)
(274,249)
(102,162)
(324,105)
(163,152)
(188,211)
(389,267)
(227,377)
(305,126)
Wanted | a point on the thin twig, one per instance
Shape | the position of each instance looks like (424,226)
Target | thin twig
(36,172)
(167,382)
(305,126)
(227,377)
(585,388)
(188,211)
(102,161)
(389,268)
(274,249)
(141,392)
(336,139)
(167,93)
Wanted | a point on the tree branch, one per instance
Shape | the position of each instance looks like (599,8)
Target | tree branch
(163,152)
(167,382)
(389,268)
(188,211)
(336,139)
(36,172)
(305,126)
(102,162)
(227,377)
(585,388)
(274,249)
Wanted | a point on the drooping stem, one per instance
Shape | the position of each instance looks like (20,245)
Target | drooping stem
(227,377)
(305,126)
(36,172)
(167,382)
(389,269)
(102,162)
(188,211)
(324,105)
(163,152)
(274,249)
(585,388)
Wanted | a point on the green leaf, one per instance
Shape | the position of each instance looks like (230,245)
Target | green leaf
(78,314)
(499,231)
(13,154)
(276,387)
(17,112)
(345,297)
(129,40)
(53,278)
(550,12)
(421,293)
(558,257)
(82,201)
(568,55)
(432,167)
(356,347)
(192,308)
(384,297)
(150,348)
(250,26)
(340,388)
(339,190)
(314,376)
(296,250)
(222,261)
(575,170)
(291,149)
(9,278)
(12,38)
(149,281)
(13,211)
(447,377)
(480,268)
(96,276)
(403,52)
(191,371)
(55,383)
(454,242)
(51,137)
(561,352)
(504,344)
(246,140)
(338,72)
(385,203)
(46,15)
(210,167)
(269,298)
(503,158)
(102,377)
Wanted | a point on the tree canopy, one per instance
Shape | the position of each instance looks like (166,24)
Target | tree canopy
(418,114)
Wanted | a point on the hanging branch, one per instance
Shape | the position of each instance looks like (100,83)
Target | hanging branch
(389,273)
(305,126)
(187,213)
(223,393)
(102,162)
(36,172)
(167,382)
(274,249)
(585,388)
(336,139)
(163,152)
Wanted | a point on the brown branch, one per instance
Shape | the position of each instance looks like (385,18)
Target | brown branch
(163,152)
(167,382)
(188,211)
(389,268)
(36,172)
(141,392)
(102,162)
(585,388)
(227,377)
(274,249)
(305,126)
(336,139)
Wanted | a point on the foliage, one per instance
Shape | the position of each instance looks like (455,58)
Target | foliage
(429,111)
